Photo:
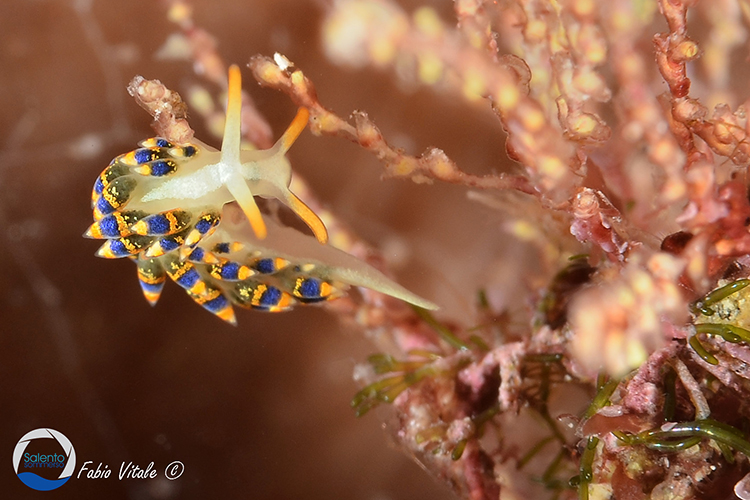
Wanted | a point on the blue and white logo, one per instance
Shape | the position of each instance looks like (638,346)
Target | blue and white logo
(44,462)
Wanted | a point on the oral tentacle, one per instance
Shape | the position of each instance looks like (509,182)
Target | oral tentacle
(307,215)
(239,190)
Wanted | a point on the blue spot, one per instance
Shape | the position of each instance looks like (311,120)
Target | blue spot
(103,206)
(109,227)
(158,224)
(189,151)
(160,168)
(168,244)
(153,288)
(197,254)
(270,297)
(265,266)
(118,248)
(217,305)
(230,270)
(309,289)
(163,143)
(143,155)
(189,279)
(222,248)
(203,226)
(98,186)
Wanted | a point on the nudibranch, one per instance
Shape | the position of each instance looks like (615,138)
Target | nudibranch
(188,212)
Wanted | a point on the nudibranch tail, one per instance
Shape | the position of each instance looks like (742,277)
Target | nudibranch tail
(230,154)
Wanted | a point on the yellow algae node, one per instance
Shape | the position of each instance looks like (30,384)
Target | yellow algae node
(533,120)
(673,190)
(200,100)
(723,132)
(382,51)
(551,166)
(476,39)
(686,51)
(328,122)
(645,10)
(428,21)
(583,7)
(583,124)
(180,12)
(442,168)
(596,53)
(507,97)
(635,355)
(665,152)
(216,124)
(591,83)
(624,22)
(359,32)
(625,298)
(430,68)
(632,65)
(298,80)
(642,283)
(524,230)
(535,31)
(474,86)
(270,73)
(403,167)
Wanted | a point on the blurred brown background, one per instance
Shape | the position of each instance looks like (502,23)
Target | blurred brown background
(257,411)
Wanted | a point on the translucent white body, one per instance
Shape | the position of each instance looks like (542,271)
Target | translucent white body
(214,179)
